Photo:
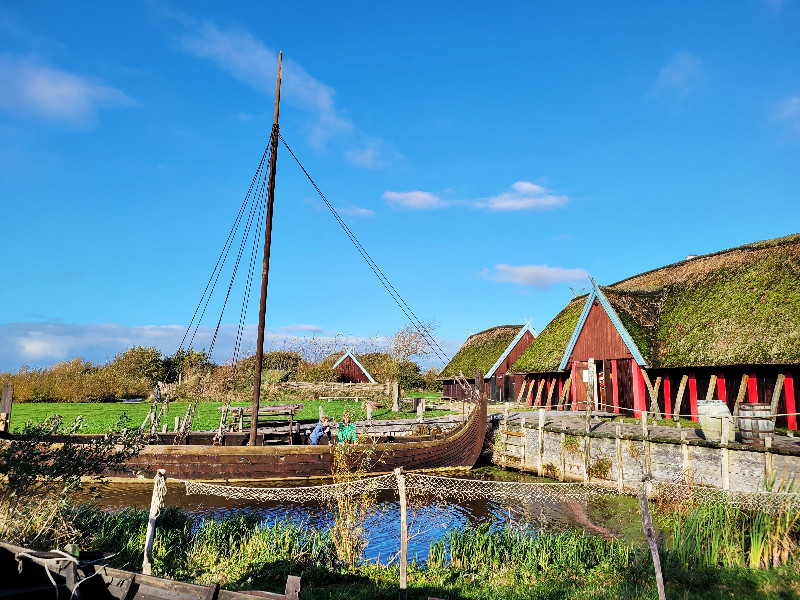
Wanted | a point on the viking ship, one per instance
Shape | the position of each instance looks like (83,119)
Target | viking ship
(224,455)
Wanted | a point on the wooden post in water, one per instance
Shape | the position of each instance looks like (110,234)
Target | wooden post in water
(650,534)
(262,307)
(401,491)
(159,483)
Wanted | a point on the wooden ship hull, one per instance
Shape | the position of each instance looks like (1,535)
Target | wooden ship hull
(31,575)
(458,447)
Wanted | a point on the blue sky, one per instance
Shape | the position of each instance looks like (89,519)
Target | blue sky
(488,155)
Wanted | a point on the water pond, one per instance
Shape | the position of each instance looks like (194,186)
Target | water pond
(428,518)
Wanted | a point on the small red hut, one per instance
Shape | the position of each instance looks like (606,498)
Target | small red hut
(349,370)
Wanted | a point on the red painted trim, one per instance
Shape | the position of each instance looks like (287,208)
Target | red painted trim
(752,387)
(667,395)
(560,389)
(572,391)
(788,389)
(614,388)
(722,393)
(693,395)
(532,383)
(636,377)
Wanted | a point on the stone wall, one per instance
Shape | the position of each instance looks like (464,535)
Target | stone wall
(559,446)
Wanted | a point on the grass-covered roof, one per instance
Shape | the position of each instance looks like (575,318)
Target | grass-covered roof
(544,354)
(736,306)
(481,351)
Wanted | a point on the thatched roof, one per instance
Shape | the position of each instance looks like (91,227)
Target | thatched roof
(736,306)
(544,354)
(481,351)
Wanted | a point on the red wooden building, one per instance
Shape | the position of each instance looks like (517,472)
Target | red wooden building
(492,352)
(720,326)
(349,370)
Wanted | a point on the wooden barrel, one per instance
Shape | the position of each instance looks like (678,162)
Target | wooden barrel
(710,414)
(755,423)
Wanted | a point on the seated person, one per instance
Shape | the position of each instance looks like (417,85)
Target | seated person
(322,428)
(347,431)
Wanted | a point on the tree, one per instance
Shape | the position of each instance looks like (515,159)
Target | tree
(140,362)
(411,341)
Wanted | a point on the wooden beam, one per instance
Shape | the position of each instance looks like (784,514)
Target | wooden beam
(679,397)
(653,391)
(550,388)
(614,385)
(539,389)
(667,396)
(739,397)
(522,391)
(776,396)
(693,395)
(712,383)
(565,391)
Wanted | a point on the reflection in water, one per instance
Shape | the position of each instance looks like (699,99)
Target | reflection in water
(428,517)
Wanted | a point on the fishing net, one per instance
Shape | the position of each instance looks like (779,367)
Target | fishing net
(319,493)
(768,501)
(511,491)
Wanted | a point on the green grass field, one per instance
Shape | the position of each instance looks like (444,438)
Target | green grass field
(100,416)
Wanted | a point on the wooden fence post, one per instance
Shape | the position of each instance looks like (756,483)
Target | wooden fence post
(540,444)
(401,491)
(620,471)
(5,407)
(563,457)
(650,534)
(156,503)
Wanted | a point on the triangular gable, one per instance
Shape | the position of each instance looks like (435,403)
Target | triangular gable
(615,320)
(355,360)
(526,328)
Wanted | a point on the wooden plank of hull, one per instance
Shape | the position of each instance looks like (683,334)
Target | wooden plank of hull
(460,448)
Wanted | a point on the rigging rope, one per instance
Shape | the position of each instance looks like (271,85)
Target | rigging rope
(398,299)
(222,256)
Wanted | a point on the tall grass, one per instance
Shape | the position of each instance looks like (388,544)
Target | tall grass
(718,534)
(481,548)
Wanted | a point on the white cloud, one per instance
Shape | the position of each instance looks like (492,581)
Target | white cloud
(249,60)
(679,77)
(355,211)
(413,200)
(40,91)
(524,195)
(541,277)
(788,112)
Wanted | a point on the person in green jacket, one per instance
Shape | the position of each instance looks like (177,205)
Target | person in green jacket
(347,431)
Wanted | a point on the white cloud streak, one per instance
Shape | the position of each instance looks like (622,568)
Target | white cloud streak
(523,195)
(250,61)
(541,277)
(679,77)
(41,344)
(413,200)
(43,92)
(788,112)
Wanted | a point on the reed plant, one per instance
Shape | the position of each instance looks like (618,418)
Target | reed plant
(483,548)
(720,534)
(351,510)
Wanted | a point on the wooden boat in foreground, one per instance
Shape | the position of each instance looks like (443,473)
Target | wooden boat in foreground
(30,575)
(457,447)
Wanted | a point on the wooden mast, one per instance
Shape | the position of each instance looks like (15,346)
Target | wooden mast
(262,310)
